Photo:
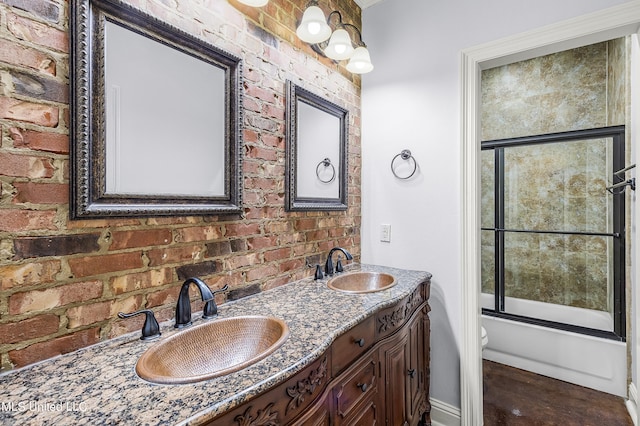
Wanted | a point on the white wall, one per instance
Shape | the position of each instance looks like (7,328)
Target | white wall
(412,100)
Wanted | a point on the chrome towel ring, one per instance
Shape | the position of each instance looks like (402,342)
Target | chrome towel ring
(326,163)
(405,155)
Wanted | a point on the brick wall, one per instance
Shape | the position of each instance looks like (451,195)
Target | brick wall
(62,282)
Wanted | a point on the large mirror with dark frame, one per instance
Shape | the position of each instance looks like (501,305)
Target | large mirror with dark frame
(155,117)
(316,152)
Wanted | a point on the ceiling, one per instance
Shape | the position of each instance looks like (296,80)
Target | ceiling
(366,3)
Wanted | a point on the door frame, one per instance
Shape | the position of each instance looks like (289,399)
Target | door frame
(607,24)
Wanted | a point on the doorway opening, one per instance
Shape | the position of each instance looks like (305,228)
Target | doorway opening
(617,21)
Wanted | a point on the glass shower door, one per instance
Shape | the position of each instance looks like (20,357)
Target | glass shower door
(553,236)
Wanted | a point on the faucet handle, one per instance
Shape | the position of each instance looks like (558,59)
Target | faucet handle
(319,274)
(210,309)
(150,329)
(339,264)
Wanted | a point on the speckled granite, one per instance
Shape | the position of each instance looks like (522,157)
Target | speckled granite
(98,384)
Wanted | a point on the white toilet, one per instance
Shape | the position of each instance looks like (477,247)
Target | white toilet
(485,338)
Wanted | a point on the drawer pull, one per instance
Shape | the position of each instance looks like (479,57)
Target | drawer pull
(359,342)
(363,386)
(412,373)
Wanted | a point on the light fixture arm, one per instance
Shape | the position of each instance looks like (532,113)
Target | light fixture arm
(319,47)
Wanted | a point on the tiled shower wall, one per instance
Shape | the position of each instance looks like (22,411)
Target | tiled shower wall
(558,189)
(62,282)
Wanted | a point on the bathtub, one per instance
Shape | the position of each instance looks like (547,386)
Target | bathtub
(588,361)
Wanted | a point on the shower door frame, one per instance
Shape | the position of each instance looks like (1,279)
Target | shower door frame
(617,134)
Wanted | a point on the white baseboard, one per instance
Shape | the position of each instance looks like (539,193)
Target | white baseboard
(443,414)
(632,403)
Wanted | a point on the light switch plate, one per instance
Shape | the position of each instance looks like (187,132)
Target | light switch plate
(385,233)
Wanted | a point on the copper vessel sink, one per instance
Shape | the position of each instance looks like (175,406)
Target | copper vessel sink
(362,282)
(212,349)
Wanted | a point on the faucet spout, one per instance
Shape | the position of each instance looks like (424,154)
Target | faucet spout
(328,266)
(183,307)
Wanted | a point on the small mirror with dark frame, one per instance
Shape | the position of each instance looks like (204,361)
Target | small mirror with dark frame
(316,152)
(155,117)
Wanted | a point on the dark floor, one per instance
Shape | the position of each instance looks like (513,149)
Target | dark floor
(517,397)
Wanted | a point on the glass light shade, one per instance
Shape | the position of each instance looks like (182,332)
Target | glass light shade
(340,46)
(360,62)
(254,3)
(313,28)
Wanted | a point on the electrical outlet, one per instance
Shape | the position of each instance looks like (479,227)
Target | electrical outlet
(385,233)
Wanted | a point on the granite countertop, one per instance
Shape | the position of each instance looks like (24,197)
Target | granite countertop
(98,384)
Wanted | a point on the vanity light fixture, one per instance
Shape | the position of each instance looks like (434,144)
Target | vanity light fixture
(335,44)
(254,3)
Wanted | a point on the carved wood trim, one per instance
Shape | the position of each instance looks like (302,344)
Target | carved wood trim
(264,417)
(298,392)
(397,317)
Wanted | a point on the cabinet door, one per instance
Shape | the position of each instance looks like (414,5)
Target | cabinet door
(415,374)
(395,373)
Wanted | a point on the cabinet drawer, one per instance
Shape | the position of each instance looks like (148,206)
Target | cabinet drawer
(352,344)
(359,383)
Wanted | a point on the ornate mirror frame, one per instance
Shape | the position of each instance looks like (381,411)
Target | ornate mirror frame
(88,195)
(297,96)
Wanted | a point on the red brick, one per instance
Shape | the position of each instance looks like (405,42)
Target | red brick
(41,193)
(168,255)
(273,141)
(88,314)
(278,281)
(251,104)
(278,254)
(163,297)
(291,265)
(38,33)
(142,238)
(25,220)
(199,233)
(242,229)
(55,245)
(30,112)
(28,329)
(317,235)
(25,166)
(41,300)
(261,153)
(96,265)
(273,111)
(51,348)
(26,56)
(250,135)
(147,279)
(261,93)
(28,274)
(236,262)
(305,224)
(258,243)
(101,223)
(40,141)
(262,272)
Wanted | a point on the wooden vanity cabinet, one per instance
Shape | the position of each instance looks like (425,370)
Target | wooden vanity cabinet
(376,373)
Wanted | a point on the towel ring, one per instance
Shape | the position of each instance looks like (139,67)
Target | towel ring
(405,155)
(326,163)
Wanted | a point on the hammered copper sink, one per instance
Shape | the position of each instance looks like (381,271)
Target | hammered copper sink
(212,349)
(362,282)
